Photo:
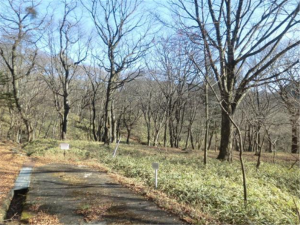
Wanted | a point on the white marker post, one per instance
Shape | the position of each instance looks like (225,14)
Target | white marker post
(155,167)
(115,151)
(64,146)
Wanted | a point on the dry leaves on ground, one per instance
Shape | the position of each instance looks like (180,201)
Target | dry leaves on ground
(94,213)
(42,218)
(11,162)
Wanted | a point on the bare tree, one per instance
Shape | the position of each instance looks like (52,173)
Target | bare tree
(173,72)
(68,49)
(152,103)
(20,25)
(118,26)
(233,33)
(259,109)
(289,92)
(131,115)
(193,105)
(95,77)
(146,102)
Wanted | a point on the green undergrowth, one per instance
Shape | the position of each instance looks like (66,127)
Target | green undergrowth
(273,190)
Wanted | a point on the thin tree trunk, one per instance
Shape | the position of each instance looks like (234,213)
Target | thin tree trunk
(259,153)
(107,117)
(94,119)
(242,166)
(216,137)
(165,134)
(245,136)
(147,117)
(192,140)
(210,139)
(113,123)
(156,136)
(171,133)
(206,124)
(294,147)
(148,133)
(128,135)
(65,117)
(257,141)
(187,139)
(100,126)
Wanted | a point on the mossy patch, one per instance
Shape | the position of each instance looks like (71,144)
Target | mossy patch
(26,215)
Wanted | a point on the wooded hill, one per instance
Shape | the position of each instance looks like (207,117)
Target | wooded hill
(208,84)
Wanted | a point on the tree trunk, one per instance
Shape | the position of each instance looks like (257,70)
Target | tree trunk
(295,140)
(30,132)
(113,123)
(17,138)
(165,134)
(192,140)
(94,119)
(206,124)
(270,146)
(257,141)
(65,118)
(245,137)
(226,137)
(171,133)
(200,144)
(216,137)
(259,152)
(148,133)
(107,116)
(187,138)
(147,117)
(119,128)
(26,121)
(128,135)
(156,135)
(100,126)
(210,139)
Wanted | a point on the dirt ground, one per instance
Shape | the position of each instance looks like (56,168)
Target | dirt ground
(11,161)
(69,194)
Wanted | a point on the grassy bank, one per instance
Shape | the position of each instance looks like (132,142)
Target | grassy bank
(215,189)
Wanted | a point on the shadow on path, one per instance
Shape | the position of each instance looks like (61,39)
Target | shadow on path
(83,196)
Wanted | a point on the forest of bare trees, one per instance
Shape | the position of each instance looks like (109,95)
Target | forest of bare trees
(205,75)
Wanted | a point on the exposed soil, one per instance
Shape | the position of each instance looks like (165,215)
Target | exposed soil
(78,195)
(11,161)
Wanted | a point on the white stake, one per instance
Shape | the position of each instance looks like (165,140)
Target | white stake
(155,167)
(64,146)
(156,173)
(114,155)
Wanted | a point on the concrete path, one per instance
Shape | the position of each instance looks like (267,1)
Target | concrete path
(78,195)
